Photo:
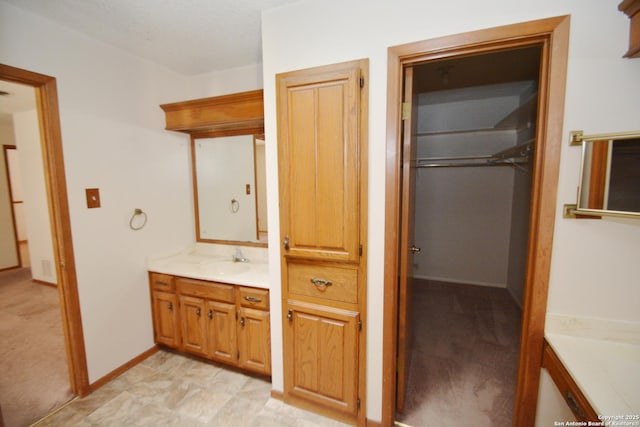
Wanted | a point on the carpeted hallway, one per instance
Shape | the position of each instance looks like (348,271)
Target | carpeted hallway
(464,360)
(33,363)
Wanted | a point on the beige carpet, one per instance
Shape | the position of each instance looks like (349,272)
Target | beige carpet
(464,360)
(34,379)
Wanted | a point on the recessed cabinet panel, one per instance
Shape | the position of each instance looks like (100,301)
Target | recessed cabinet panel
(165,321)
(221,331)
(254,340)
(193,324)
(318,152)
(325,358)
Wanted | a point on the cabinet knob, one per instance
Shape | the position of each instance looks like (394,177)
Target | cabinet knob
(170,306)
(290,315)
(210,314)
(285,243)
(198,311)
(415,249)
(242,322)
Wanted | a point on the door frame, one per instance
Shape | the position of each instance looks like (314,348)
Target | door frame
(55,182)
(5,152)
(552,34)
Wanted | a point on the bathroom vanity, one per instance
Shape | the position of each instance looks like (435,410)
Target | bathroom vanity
(214,307)
(212,300)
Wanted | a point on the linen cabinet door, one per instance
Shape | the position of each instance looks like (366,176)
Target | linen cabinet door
(221,331)
(165,319)
(319,166)
(254,340)
(321,356)
(192,316)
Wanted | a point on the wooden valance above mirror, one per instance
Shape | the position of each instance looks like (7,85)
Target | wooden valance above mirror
(632,9)
(205,116)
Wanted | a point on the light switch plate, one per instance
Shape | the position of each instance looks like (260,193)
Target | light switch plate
(93,197)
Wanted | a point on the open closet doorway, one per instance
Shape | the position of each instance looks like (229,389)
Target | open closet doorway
(469,137)
(551,36)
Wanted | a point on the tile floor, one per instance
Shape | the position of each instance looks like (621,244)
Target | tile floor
(168,389)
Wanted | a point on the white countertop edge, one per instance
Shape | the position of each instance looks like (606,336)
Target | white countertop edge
(603,358)
(188,262)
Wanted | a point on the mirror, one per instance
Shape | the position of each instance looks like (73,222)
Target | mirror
(610,176)
(229,179)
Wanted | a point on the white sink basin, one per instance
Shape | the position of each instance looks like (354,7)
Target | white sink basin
(226,268)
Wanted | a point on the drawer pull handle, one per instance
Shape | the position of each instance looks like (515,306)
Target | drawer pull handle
(161,283)
(252,299)
(573,404)
(321,283)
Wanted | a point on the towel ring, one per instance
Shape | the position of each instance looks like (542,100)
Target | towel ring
(137,212)
(235,205)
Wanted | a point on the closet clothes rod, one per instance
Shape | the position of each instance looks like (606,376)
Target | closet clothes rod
(486,162)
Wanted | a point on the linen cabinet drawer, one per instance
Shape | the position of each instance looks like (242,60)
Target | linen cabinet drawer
(254,298)
(203,289)
(162,282)
(332,283)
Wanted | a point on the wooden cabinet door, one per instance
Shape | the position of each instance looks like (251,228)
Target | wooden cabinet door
(321,355)
(221,331)
(254,340)
(165,318)
(319,167)
(192,316)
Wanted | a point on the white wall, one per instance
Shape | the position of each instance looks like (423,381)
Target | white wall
(36,208)
(463,214)
(113,139)
(224,82)
(592,261)
(8,249)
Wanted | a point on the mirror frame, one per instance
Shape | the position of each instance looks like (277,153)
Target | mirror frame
(256,132)
(578,139)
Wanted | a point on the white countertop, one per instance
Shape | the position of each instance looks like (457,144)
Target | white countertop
(214,263)
(603,358)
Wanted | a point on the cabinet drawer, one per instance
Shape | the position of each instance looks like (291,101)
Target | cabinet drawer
(254,298)
(332,283)
(162,282)
(209,290)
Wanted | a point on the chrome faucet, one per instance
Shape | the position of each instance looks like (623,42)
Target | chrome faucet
(238,257)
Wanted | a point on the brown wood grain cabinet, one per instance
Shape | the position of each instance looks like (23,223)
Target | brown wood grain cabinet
(322,159)
(234,112)
(632,9)
(164,305)
(218,321)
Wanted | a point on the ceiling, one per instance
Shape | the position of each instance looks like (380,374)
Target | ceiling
(187,36)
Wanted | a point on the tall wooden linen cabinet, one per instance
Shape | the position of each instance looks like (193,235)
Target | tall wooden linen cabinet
(322,157)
